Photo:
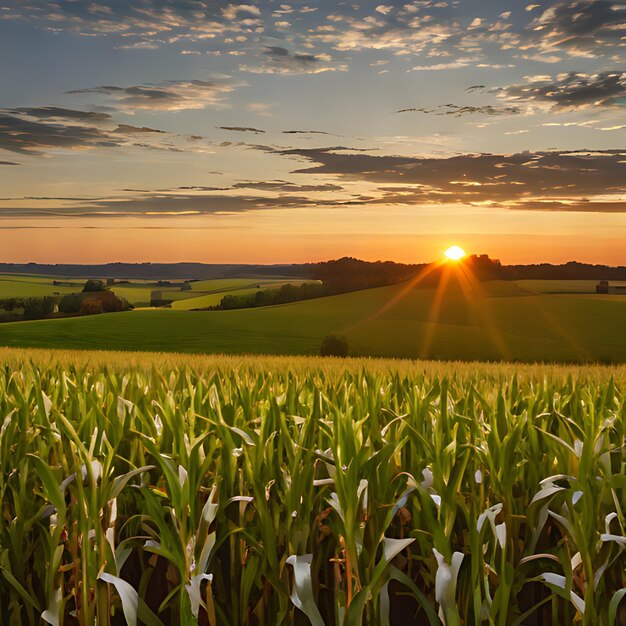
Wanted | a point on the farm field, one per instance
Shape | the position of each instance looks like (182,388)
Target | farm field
(498,320)
(564,286)
(177,489)
(204,293)
(212,294)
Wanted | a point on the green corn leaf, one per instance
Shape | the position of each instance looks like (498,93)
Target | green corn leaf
(128,597)
(302,590)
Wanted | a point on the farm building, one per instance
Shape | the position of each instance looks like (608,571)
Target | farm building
(604,287)
(156,298)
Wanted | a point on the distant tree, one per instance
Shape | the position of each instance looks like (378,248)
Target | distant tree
(90,306)
(228,302)
(9,304)
(334,345)
(70,303)
(94,285)
(126,305)
(38,308)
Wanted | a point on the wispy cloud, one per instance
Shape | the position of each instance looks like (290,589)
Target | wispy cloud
(279,60)
(26,134)
(242,129)
(572,90)
(457,110)
(585,28)
(172,95)
(589,181)
(36,130)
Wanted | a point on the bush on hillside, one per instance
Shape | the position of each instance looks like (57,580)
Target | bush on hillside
(334,345)
(108,303)
(94,285)
(38,308)
(90,306)
(70,304)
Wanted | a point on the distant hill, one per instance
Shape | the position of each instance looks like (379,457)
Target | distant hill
(200,271)
(567,271)
(347,273)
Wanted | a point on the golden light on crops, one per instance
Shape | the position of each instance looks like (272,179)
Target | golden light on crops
(454,253)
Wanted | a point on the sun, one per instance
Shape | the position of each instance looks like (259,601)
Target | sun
(455,253)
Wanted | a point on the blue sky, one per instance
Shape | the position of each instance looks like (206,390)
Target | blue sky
(268,131)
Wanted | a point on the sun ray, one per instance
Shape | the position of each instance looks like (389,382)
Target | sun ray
(435,309)
(400,295)
(475,291)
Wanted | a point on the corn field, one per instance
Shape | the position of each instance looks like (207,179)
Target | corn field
(323,492)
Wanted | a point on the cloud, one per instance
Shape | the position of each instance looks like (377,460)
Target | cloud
(452,65)
(564,181)
(61,114)
(25,136)
(282,185)
(389,32)
(279,60)
(572,90)
(173,95)
(149,24)
(542,57)
(306,132)
(429,29)
(232,11)
(34,130)
(242,129)
(149,204)
(585,28)
(126,129)
(458,110)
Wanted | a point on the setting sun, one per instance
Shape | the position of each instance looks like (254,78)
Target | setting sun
(455,253)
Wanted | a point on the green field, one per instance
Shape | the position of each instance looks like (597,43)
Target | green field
(564,286)
(213,291)
(172,490)
(30,286)
(203,293)
(498,321)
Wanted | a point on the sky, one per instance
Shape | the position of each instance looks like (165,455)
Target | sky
(269,132)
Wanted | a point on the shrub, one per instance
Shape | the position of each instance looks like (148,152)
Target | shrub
(94,285)
(90,306)
(126,305)
(69,303)
(38,308)
(334,345)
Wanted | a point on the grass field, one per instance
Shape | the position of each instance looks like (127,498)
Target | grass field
(30,286)
(498,321)
(212,294)
(564,286)
(203,292)
(179,490)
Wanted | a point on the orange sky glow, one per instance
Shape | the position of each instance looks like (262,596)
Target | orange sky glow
(282,133)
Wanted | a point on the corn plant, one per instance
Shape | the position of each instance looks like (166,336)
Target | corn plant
(261,492)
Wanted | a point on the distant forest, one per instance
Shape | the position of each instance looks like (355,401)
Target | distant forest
(345,274)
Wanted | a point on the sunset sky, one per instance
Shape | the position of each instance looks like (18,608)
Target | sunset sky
(165,130)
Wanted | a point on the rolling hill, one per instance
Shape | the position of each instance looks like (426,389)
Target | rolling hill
(499,320)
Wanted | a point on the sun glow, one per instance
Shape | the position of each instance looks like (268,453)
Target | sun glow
(454,253)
